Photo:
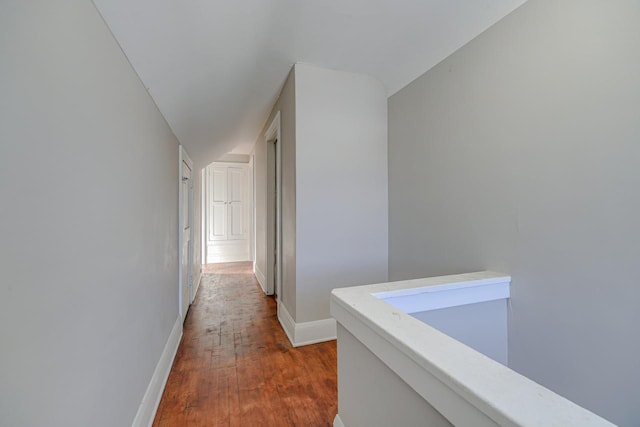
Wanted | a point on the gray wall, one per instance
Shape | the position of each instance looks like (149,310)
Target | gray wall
(341,185)
(287,107)
(519,153)
(88,229)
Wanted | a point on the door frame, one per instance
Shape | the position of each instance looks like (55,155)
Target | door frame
(274,213)
(203,216)
(183,157)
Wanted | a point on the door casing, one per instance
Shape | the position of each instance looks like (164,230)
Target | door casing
(274,213)
(185,202)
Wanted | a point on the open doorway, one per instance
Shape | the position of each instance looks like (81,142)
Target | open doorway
(185,232)
(274,211)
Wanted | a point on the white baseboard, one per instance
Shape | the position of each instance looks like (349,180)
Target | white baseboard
(306,333)
(261,277)
(287,323)
(337,422)
(151,400)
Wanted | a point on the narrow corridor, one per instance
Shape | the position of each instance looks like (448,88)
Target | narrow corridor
(236,367)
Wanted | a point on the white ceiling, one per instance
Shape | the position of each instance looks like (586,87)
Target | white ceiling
(215,68)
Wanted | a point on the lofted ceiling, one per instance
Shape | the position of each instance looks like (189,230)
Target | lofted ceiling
(215,68)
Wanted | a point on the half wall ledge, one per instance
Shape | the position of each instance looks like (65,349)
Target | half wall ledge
(445,380)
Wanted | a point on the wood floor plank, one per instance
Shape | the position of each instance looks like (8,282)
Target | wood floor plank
(236,367)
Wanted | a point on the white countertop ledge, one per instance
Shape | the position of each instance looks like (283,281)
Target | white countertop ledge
(486,392)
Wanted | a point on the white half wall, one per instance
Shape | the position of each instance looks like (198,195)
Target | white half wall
(89,229)
(341,185)
(436,376)
(371,394)
(519,153)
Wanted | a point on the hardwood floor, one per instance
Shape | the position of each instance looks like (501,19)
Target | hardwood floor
(236,367)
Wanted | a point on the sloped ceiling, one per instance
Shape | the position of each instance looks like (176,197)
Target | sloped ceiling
(215,68)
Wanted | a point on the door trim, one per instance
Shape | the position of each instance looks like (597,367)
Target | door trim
(274,278)
(203,217)
(183,157)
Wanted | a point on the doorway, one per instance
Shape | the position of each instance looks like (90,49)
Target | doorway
(185,233)
(274,209)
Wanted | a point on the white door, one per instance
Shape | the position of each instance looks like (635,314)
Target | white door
(218,228)
(227,213)
(186,239)
(235,203)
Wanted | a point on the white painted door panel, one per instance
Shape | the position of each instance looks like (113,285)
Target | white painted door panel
(219,224)
(236,184)
(218,228)
(236,177)
(227,217)
(236,221)
(219,184)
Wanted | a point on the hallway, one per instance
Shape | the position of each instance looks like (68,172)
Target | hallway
(236,367)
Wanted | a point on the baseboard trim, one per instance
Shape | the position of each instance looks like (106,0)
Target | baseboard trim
(287,323)
(337,422)
(151,400)
(306,333)
(262,280)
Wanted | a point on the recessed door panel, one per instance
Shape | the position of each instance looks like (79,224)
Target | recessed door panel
(218,229)
(218,217)
(236,184)
(236,221)
(219,184)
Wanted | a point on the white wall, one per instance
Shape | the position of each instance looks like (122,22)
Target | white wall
(519,153)
(341,185)
(89,212)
